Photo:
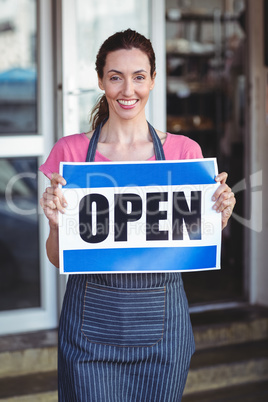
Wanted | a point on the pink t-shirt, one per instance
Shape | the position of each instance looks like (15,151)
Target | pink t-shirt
(73,148)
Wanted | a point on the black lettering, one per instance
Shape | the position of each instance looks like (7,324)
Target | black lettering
(86,215)
(122,216)
(153,216)
(192,218)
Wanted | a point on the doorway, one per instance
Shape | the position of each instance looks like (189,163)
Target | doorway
(206,92)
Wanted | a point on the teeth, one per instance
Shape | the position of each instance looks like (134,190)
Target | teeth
(127,103)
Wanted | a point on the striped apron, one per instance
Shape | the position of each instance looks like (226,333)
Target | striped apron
(124,337)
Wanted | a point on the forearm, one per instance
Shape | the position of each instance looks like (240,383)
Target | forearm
(52,246)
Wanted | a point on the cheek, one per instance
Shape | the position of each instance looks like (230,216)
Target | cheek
(111,91)
(146,93)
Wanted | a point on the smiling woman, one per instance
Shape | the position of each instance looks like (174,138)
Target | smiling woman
(116,330)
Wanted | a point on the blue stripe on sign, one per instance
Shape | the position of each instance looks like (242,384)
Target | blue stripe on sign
(94,175)
(140,259)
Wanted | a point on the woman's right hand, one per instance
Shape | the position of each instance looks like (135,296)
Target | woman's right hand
(53,200)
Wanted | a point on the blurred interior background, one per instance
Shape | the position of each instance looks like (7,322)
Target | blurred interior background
(212,65)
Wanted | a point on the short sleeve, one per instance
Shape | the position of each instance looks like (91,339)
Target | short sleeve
(193,150)
(179,147)
(60,152)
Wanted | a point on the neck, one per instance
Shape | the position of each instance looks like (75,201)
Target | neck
(124,131)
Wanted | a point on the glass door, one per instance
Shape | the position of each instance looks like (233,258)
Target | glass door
(27,286)
(206,98)
(85,25)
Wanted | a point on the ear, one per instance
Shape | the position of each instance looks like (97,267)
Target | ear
(153,81)
(100,83)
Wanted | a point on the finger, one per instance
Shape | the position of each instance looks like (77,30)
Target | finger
(220,190)
(56,179)
(53,202)
(226,200)
(49,213)
(221,177)
(56,191)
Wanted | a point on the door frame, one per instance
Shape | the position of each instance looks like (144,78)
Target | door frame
(37,145)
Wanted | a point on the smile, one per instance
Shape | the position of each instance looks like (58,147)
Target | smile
(127,103)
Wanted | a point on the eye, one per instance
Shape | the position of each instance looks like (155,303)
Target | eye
(115,78)
(140,77)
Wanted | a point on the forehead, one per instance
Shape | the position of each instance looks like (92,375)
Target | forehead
(121,59)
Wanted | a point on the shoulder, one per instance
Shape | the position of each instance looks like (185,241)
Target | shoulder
(181,147)
(69,148)
(72,148)
(71,140)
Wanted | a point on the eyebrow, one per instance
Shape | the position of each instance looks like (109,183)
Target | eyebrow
(135,72)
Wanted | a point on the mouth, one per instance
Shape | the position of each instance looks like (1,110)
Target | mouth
(131,102)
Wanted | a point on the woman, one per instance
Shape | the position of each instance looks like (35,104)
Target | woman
(100,356)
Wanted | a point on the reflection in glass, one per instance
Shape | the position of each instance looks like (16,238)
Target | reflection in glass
(18,78)
(19,238)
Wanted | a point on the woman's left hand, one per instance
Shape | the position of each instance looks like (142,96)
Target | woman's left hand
(225,199)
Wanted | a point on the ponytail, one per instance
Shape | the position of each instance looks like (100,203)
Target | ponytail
(99,112)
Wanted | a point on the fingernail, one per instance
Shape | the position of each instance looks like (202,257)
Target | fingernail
(213,198)
(65,204)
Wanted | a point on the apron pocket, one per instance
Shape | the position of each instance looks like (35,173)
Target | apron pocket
(123,317)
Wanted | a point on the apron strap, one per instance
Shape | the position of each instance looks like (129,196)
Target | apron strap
(158,148)
(91,151)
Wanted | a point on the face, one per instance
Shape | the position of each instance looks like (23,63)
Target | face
(127,82)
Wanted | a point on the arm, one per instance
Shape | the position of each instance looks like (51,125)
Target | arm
(52,246)
(52,202)
(225,199)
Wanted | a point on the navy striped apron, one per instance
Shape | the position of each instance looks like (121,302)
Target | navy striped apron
(124,337)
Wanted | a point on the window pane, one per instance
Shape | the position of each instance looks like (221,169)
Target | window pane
(19,235)
(18,73)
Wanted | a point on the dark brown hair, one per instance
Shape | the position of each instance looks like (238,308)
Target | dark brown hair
(120,40)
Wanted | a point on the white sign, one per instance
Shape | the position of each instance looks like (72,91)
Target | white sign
(139,217)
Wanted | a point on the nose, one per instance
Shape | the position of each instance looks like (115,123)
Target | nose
(128,88)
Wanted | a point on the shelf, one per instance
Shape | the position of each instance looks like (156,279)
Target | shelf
(180,47)
(186,55)
(177,15)
(175,86)
(195,123)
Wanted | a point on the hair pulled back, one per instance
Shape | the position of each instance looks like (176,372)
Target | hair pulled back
(127,40)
